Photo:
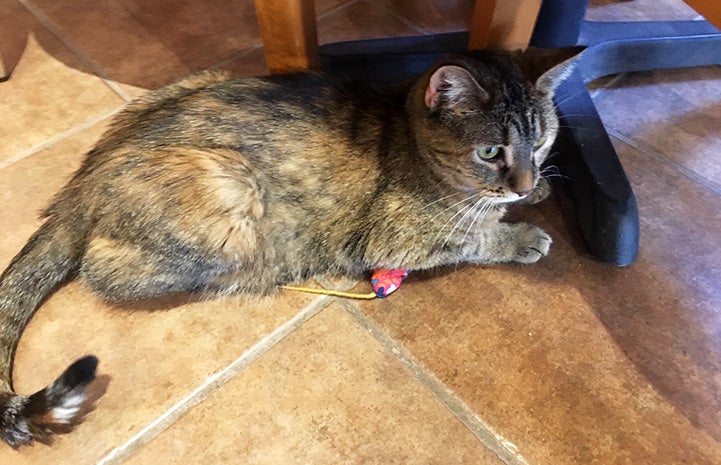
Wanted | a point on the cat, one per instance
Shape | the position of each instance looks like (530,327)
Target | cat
(237,186)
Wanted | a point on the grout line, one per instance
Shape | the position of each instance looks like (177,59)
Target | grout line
(599,93)
(217,66)
(211,384)
(96,69)
(418,28)
(658,156)
(117,89)
(235,56)
(503,448)
(344,285)
(57,138)
(222,62)
(334,10)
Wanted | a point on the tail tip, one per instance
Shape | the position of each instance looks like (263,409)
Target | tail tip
(81,372)
(24,419)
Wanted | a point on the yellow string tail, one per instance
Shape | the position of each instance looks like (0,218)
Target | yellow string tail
(348,295)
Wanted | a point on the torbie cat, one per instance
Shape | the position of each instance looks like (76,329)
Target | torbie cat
(236,186)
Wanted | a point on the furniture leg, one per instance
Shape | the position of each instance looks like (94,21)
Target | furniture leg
(289,34)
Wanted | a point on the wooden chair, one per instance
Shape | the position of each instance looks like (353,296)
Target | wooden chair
(709,9)
(4,73)
(289,32)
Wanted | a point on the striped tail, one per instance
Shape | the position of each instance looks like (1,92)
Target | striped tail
(47,260)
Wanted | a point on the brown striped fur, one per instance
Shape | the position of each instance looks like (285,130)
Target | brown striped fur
(236,186)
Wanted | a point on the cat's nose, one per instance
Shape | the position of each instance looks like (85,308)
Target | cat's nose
(522,182)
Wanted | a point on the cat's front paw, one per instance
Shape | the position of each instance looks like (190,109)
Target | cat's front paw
(533,244)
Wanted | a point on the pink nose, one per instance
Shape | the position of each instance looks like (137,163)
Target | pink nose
(524,193)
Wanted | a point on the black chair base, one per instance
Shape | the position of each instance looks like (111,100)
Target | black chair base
(604,201)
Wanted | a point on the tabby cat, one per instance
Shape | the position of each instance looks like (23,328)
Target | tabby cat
(236,186)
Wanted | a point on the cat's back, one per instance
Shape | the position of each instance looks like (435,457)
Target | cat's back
(208,107)
(281,122)
(301,131)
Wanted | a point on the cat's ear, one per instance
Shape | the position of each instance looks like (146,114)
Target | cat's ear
(452,86)
(548,67)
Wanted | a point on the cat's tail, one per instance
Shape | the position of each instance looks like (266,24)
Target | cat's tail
(49,257)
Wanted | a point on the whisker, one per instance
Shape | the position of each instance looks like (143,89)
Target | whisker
(439,200)
(548,168)
(552,171)
(568,97)
(440,230)
(554,175)
(457,203)
(480,201)
(482,213)
(565,126)
(580,115)
(551,155)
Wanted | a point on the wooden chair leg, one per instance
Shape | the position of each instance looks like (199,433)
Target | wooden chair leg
(4,73)
(709,9)
(289,34)
(503,24)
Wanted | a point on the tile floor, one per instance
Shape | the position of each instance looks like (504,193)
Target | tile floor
(568,361)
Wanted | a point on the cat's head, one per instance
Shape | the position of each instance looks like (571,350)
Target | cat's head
(485,121)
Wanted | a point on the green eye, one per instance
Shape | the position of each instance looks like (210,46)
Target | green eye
(540,141)
(488,153)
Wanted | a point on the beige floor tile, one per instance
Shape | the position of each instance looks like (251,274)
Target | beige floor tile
(150,358)
(50,90)
(673,337)
(579,362)
(327,394)
(362,20)
(29,184)
(677,113)
(639,10)
(148,44)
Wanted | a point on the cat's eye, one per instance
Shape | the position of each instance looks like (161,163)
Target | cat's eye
(540,142)
(488,153)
